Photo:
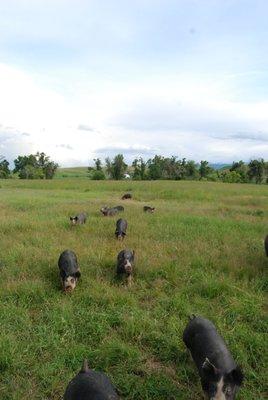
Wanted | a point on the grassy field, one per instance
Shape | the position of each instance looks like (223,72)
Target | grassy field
(75,172)
(201,252)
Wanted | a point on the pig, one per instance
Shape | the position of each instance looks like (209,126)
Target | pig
(266,245)
(79,219)
(127,196)
(220,377)
(125,264)
(109,211)
(90,385)
(148,209)
(69,270)
(119,208)
(121,229)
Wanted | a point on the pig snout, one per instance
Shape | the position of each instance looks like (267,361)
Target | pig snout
(69,284)
(128,267)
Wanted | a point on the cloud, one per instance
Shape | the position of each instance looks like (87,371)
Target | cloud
(83,127)
(65,146)
(258,137)
(128,151)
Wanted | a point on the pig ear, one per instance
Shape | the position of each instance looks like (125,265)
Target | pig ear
(133,252)
(85,367)
(237,376)
(78,274)
(71,218)
(209,369)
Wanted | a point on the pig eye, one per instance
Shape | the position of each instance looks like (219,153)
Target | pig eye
(72,280)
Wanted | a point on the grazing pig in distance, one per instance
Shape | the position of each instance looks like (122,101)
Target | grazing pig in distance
(125,261)
(121,229)
(69,270)
(148,209)
(266,245)
(119,208)
(79,219)
(127,196)
(109,212)
(220,377)
(90,385)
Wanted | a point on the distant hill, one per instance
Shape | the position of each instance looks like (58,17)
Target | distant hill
(73,172)
(220,166)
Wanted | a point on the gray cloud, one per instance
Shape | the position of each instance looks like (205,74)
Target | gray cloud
(65,146)
(25,134)
(243,136)
(83,127)
(258,137)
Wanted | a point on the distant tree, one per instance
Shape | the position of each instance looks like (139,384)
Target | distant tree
(35,166)
(97,173)
(156,167)
(204,169)
(98,165)
(241,169)
(139,166)
(116,167)
(229,176)
(191,170)
(31,172)
(256,170)
(4,168)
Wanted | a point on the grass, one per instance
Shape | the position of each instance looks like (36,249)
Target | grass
(201,252)
(75,172)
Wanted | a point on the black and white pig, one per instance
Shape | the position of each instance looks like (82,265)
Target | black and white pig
(69,270)
(148,209)
(125,264)
(220,377)
(121,229)
(90,385)
(79,219)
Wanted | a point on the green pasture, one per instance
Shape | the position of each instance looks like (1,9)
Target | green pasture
(200,253)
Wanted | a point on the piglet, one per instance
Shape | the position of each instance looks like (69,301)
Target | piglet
(125,264)
(69,270)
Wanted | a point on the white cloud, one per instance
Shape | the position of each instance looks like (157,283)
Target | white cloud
(172,115)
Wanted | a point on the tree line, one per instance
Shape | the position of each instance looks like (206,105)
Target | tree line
(40,166)
(33,166)
(172,168)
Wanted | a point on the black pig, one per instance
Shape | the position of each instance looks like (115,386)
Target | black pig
(79,219)
(220,377)
(109,211)
(125,264)
(127,196)
(121,229)
(148,209)
(90,385)
(69,270)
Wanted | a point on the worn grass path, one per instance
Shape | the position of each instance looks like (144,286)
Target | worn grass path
(201,252)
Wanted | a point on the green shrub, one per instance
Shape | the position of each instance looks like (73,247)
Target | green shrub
(98,176)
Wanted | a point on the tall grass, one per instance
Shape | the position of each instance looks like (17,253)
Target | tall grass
(201,252)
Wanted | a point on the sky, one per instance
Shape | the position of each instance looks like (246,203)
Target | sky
(81,79)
